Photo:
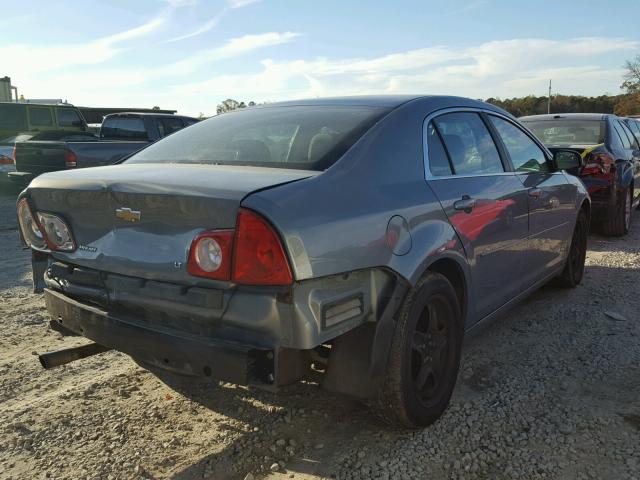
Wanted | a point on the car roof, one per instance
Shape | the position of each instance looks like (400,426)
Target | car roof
(146,114)
(573,116)
(30,104)
(385,101)
(360,100)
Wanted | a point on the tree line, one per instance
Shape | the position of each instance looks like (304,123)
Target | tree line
(624,104)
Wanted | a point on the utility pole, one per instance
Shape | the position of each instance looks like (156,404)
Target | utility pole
(549,100)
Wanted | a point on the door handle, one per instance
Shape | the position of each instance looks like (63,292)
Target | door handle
(535,192)
(466,204)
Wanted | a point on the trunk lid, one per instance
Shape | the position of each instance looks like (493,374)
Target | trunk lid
(139,219)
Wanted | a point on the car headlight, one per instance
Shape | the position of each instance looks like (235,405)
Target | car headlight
(57,232)
(31,233)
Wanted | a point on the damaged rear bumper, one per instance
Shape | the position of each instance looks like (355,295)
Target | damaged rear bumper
(184,354)
(246,336)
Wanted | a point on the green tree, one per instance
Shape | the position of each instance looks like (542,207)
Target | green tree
(230,104)
(631,77)
(532,105)
(629,104)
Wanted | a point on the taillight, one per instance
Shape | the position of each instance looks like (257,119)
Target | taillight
(210,255)
(250,255)
(598,163)
(259,258)
(70,159)
(31,232)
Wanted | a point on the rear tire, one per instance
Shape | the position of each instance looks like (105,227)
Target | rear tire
(424,357)
(619,224)
(573,271)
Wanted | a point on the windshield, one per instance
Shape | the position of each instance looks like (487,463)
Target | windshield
(567,132)
(299,137)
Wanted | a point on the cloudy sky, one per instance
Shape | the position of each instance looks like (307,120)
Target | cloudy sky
(191,54)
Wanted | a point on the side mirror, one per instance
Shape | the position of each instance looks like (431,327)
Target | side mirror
(77,123)
(567,159)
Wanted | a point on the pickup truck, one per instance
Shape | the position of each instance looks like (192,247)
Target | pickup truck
(121,134)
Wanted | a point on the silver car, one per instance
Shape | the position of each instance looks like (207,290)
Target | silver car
(361,236)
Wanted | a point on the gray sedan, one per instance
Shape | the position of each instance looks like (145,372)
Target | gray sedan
(361,237)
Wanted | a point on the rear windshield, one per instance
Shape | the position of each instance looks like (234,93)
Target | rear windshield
(568,132)
(123,128)
(298,137)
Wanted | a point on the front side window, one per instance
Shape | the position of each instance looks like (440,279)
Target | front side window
(40,117)
(468,144)
(298,137)
(67,117)
(525,155)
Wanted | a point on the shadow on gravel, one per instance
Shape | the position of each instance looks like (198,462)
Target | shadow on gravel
(319,423)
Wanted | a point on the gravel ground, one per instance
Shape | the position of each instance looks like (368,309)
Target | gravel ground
(550,391)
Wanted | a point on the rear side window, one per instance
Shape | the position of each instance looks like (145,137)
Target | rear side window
(628,139)
(469,144)
(298,137)
(124,128)
(622,136)
(13,117)
(438,160)
(67,117)
(40,116)
(634,126)
(525,155)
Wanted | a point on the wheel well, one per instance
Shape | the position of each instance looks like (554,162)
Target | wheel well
(453,272)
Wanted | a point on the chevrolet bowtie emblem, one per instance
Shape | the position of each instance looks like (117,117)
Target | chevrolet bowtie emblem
(127,214)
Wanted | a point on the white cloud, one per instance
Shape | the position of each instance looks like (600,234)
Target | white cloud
(139,31)
(240,3)
(198,31)
(500,68)
(233,48)
(86,74)
(465,8)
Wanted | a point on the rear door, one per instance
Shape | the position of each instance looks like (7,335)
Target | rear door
(551,200)
(631,146)
(484,201)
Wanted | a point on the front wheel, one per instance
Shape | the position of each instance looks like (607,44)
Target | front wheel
(425,354)
(573,271)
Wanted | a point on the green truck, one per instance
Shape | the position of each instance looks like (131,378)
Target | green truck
(26,121)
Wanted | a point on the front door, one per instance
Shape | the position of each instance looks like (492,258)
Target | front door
(486,205)
(552,201)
